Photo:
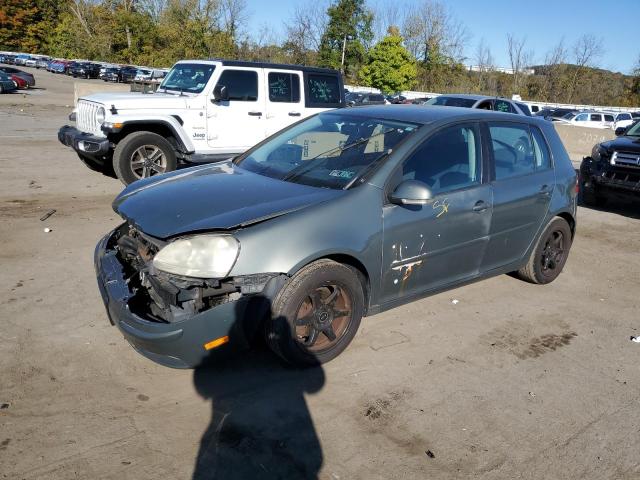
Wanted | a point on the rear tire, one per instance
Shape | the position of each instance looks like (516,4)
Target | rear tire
(143,154)
(549,255)
(316,314)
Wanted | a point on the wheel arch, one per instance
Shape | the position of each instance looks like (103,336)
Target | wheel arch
(570,220)
(164,128)
(345,259)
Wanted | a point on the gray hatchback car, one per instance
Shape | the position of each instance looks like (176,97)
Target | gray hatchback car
(342,215)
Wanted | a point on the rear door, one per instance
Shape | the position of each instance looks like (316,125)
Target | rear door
(523,183)
(237,124)
(284,102)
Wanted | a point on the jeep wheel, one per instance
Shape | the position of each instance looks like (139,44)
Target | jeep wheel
(141,155)
(550,253)
(316,314)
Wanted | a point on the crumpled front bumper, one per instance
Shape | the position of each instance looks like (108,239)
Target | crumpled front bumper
(617,180)
(179,344)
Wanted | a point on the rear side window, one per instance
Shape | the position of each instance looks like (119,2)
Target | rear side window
(540,150)
(322,90)
(284,87)
(503,106)
(242,85)
(624,116)
(446,161)
(608,118)
(512,150)
(596,117)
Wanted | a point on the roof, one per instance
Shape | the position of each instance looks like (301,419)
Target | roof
(429,114)
(239,63)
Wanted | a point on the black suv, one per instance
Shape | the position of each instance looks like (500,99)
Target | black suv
(613,169)
(85,70)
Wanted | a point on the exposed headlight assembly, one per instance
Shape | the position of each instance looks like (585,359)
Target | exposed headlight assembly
(100,115)
(202,256)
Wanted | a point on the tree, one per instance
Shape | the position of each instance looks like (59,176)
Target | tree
(485,65)
(519,58)
(436,38)
(347,35)
(304,32)
(586,51)
(390,67)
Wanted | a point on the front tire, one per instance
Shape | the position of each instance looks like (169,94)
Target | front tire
(550,253)
(316,314)
(143,154)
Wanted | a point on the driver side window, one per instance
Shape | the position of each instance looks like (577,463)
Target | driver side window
(446,161)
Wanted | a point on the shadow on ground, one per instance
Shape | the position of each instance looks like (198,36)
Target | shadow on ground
(260,425)
(628,209)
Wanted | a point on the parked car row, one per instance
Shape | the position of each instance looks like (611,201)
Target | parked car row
(589,118)
(21,78)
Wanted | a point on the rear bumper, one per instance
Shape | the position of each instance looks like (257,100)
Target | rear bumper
(179,344)
(96,148)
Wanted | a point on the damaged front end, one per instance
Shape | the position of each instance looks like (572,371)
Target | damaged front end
(171,318)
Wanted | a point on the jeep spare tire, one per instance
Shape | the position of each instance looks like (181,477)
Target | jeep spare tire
(141,155)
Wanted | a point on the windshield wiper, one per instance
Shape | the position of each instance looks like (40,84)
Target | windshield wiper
(309,164)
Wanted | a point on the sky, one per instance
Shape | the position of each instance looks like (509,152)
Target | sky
(542,22)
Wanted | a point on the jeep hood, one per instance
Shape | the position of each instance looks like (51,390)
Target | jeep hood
(220,196)
(139,101)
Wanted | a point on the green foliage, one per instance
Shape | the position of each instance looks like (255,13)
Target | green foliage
(349,27)
(389,66)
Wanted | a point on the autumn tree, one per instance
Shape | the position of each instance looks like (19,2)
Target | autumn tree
(389,67)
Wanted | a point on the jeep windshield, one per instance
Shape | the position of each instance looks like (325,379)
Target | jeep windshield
(329,150)
(187,77)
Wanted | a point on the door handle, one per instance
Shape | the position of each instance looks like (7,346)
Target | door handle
(546,190)
(294,114)
(480,206)
(255,114)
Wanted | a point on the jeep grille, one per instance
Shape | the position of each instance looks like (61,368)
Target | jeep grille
(86,117)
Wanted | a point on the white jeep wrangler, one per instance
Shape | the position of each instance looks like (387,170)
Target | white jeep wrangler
(203,111)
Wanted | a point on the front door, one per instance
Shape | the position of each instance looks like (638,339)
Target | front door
(430,246)
(522,190)
(237,124)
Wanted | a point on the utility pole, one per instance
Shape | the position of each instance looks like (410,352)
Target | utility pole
(344,46)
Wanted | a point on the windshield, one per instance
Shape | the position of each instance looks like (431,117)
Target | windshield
(634,130)
(568,116)
(329,150)
(451,101)
(188,77)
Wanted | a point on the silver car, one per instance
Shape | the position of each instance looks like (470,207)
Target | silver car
(343,215)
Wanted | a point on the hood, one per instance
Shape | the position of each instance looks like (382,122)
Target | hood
(212,197)
(147,101)
(626,144)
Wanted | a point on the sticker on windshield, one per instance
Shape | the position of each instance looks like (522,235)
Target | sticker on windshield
(342,174)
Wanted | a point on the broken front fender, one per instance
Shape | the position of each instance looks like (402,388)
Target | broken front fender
(185,343)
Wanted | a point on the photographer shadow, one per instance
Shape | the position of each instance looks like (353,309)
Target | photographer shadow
(261,427)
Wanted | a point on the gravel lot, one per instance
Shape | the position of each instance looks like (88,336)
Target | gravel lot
(513,381)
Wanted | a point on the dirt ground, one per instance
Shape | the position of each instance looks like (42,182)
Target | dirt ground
(513,381)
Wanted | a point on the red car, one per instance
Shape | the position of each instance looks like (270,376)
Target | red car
(20,82)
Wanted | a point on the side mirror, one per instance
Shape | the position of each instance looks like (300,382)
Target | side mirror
(220,93)
(411,192)
(620,131)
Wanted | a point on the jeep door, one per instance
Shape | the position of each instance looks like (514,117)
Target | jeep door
(523,181)
(284,101)
(429,246)
(236,124)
